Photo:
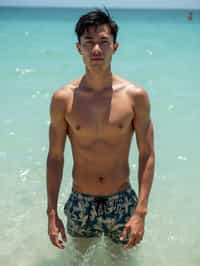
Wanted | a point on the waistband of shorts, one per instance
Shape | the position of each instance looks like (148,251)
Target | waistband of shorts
(113,196)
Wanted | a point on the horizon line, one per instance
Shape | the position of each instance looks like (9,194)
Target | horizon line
(89,6)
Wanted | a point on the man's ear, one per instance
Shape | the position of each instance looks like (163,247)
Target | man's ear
(78,46)
(115,46)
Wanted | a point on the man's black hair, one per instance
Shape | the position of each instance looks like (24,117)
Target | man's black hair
(96,18)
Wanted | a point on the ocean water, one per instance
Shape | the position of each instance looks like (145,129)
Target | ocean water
(159,50)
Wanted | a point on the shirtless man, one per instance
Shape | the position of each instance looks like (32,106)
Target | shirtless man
(99,113)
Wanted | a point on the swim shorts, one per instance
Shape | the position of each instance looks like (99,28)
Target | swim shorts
(91,216)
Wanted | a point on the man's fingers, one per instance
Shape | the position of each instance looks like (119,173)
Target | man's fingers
(124,233)
(131,242)
(62,231)
(53,239)
(61,245)
(134,240)
(139,237)
(56,242)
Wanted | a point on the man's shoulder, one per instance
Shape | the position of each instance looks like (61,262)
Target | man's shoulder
(66,91)
(132,89)
(137,94)
(140,98)
(136,90)
(62,97)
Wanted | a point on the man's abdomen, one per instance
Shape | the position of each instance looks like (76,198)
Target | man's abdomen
(98,176)
(101,165)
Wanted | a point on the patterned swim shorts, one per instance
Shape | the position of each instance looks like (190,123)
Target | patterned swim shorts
(91,216)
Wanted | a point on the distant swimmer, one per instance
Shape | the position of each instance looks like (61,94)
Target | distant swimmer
(189,17)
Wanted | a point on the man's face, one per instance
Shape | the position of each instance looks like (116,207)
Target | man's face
(97,47)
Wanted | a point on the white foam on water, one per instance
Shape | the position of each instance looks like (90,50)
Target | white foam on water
(43,149)
(170,107)
(23,71)
(24,172)
(12,133)
(182,158)
(149,51)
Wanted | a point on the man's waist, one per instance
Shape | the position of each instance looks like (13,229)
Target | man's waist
(98,193)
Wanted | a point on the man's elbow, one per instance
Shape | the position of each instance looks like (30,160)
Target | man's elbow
(146,153)
(54,158)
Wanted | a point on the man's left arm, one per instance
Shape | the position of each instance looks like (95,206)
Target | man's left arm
(144,137)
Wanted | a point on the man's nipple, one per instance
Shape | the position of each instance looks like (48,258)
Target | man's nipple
(101,179)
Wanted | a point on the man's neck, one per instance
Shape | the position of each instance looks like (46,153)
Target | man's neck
(98,81)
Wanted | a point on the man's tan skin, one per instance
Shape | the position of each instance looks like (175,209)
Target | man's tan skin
(99,113)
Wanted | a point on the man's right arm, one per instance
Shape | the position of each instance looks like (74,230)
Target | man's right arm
(55,162)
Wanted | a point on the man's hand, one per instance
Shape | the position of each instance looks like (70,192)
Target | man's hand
(135,229)
(55,229)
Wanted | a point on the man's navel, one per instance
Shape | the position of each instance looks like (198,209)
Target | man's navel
(120,126)
(101,179)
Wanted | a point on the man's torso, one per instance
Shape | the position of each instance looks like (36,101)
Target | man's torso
(100,128)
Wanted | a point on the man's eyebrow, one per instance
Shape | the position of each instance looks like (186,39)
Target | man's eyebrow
(105,37)
(90,37)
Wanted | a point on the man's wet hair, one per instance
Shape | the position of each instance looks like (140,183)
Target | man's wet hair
(96,18)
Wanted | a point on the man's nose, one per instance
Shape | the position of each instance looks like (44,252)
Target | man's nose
(96,49)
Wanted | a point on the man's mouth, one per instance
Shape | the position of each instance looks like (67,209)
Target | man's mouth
(96,58)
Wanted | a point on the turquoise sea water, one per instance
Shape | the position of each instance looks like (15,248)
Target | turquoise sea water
(159,50)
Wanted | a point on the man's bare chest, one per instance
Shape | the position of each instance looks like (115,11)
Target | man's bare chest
(100,116)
